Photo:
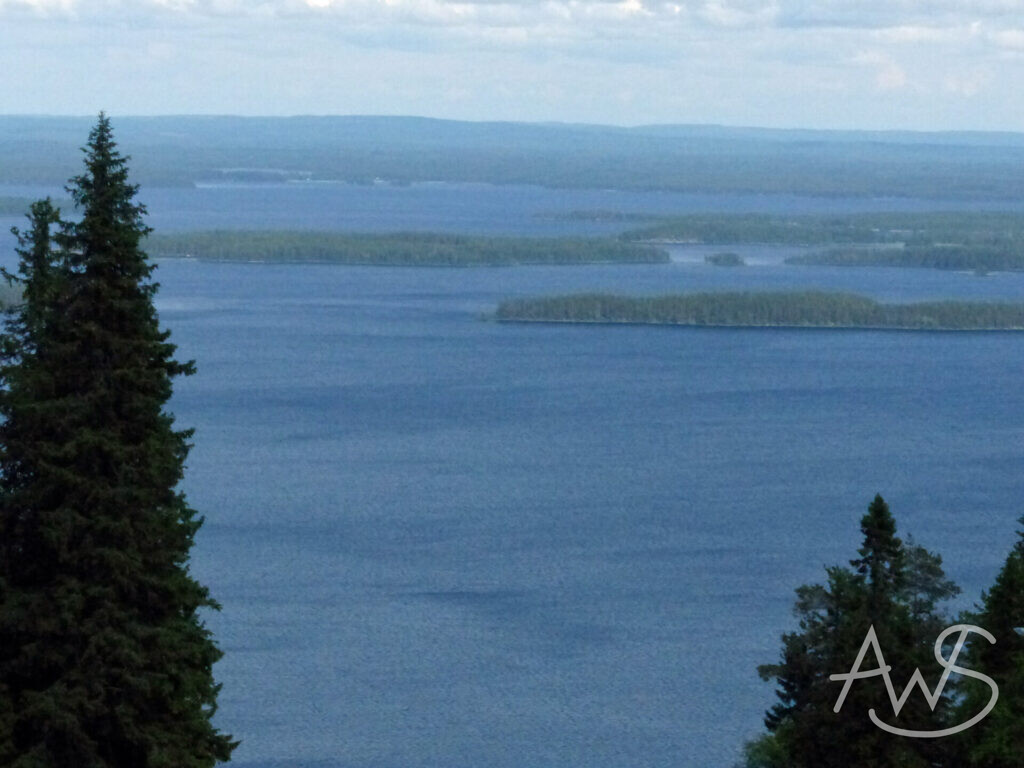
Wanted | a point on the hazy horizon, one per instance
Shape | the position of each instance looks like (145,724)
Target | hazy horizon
(923,66)
(626,126)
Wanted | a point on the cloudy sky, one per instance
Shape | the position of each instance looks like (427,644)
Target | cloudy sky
(920,64)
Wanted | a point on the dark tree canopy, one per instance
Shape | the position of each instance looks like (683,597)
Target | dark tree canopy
(893,588)
(998,740)
(104,659)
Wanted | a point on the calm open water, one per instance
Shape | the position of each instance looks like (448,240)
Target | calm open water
(441,541)
(449,543)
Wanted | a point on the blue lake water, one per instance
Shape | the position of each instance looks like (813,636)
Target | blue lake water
(441,541)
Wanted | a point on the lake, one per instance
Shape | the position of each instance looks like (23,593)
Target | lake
(442,541)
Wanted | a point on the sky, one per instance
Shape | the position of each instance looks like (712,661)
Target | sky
(897,64)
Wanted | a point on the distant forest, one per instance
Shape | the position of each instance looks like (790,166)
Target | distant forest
(187,150)
(403,249)
(803,309)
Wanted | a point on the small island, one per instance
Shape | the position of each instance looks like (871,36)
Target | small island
(400,249)
(810,309)
(725,259)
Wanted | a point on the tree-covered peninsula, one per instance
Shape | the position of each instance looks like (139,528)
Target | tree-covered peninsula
(399,249)
(949,228)
(977,257)
(979,241)
(809,309)
(750,228)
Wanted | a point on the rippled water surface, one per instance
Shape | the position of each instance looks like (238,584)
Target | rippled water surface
(441,541)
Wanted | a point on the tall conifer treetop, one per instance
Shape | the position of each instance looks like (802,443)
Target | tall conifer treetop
(882,554)
(894,589)
(104,659)
(998,742)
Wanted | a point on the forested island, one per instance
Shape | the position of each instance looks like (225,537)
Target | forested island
(400,249)
(752,228)
(1002,229)
(977,257)
(810,309)
(976,241)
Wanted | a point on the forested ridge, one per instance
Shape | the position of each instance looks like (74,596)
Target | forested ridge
(185,150)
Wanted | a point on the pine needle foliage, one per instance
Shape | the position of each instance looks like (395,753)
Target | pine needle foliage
(105,661)
(894,587)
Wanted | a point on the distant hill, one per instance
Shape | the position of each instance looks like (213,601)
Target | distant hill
(183,150)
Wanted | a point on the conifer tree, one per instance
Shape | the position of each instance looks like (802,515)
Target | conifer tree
(998,740)
(892,588)
(104,659)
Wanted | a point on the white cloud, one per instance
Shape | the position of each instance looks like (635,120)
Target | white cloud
(889,76)
(895,20)
(914,33)
(1009,38)
(753,61)
(730,13)
(968,84)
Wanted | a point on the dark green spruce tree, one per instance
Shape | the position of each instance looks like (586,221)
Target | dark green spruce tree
(104,659)
(894,588)
(998,740)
